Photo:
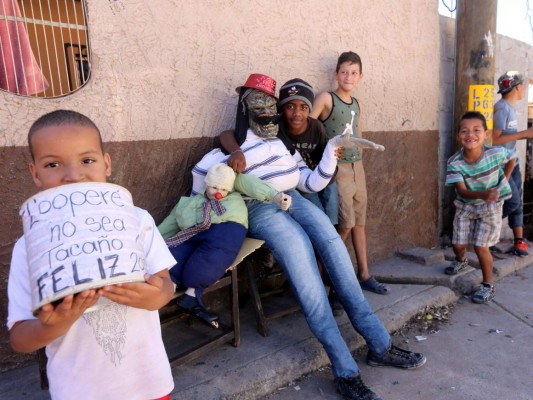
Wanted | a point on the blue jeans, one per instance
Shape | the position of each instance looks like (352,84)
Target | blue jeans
(203,259)
(291,236)
(327,200)
(512,208)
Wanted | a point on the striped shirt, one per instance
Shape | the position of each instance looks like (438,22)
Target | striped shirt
(484,174)
(270,161)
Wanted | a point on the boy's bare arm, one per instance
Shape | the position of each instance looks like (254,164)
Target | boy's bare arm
(490,195)
(236,160)
(52,323)
(154,293)
(498,138)
(508,169)
(322,106)
(360,121)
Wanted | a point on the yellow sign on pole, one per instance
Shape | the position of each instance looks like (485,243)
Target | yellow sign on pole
(481,99)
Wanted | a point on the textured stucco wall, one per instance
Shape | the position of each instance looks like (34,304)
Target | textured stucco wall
(168,69)
(162,86)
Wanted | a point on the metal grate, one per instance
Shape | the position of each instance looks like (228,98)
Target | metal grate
(44,47)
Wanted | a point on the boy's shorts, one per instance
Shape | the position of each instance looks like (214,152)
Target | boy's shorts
(351,184)
(479,225)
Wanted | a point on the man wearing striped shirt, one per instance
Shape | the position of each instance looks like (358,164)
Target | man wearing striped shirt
(480,175)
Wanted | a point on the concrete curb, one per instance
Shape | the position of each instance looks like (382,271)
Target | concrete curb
(283,364)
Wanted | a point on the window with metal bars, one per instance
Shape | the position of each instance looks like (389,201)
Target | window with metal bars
(44,47)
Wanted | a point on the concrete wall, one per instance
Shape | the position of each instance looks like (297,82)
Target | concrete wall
(511,54)
(162,87)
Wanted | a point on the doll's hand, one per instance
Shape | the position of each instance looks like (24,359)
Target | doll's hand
(237,161)
(283,201)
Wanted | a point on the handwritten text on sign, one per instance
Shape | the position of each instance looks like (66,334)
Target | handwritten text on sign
(481,99)
(81,236)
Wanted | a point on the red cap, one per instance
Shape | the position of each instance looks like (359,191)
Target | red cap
(260,82)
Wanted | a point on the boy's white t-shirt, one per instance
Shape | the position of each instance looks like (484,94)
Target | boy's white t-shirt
(114,352)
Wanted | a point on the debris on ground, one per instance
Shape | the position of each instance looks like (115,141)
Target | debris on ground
(426,322)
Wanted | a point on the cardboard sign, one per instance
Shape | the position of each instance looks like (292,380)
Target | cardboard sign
(81,236)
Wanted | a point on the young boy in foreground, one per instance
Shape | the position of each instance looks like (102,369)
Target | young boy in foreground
(480,175)
(115,351)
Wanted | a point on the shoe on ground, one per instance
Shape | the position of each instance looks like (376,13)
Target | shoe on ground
(484,294)
(396,357)
(456,267)
(192,306)
(336,307)
(372,285)
(520,248)
(354,389)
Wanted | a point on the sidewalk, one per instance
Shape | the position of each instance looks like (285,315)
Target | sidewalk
(483,352)
(262,364)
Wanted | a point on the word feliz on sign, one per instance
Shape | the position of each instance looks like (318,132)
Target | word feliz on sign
(69,275)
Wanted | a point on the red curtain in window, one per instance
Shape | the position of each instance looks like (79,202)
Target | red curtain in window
(19,71)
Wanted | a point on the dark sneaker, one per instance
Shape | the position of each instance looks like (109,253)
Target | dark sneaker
(192,306)
(372,285)
(520,248)
(354,389)
(336,306)
(484,294)
(456,267)
(396,357)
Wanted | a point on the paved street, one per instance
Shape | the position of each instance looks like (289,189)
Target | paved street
(484,352)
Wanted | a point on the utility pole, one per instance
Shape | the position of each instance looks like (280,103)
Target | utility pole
(474,58)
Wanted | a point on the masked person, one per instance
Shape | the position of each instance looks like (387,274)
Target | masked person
(292,235)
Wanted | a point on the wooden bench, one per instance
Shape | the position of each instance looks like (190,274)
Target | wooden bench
(223,334)
(263,316)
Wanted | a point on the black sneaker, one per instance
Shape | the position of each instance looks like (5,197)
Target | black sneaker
(396,357)
(354,389)
(192,306)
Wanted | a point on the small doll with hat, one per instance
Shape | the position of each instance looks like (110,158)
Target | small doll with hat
(205,232)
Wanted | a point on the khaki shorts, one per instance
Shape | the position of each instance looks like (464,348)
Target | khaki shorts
(351,184)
